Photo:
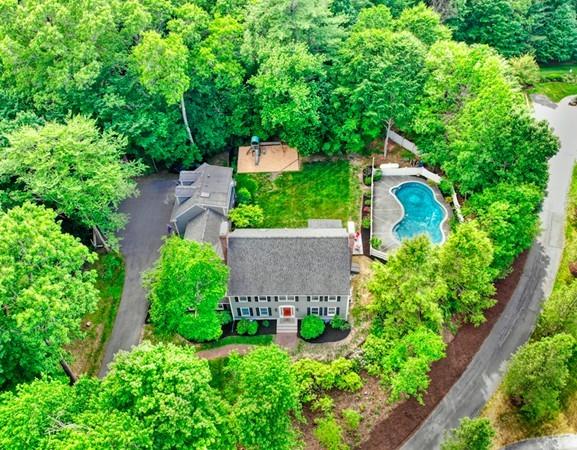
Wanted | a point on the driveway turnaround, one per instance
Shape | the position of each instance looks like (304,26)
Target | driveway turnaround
(483,375)
(148,217)
(562,442)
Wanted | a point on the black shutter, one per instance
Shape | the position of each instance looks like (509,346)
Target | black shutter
(270,312)
(296,298)
(308,311)
(338,310)
(251,312)
(324,311)
(338,298)
(308,298)
(238,312)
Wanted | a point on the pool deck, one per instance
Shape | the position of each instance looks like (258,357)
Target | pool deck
(387,211)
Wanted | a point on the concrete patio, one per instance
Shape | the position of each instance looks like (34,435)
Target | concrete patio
(387,211)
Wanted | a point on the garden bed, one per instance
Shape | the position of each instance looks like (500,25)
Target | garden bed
(329,335)
(406,418)
(230,329)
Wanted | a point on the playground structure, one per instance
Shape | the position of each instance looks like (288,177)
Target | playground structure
(262,157)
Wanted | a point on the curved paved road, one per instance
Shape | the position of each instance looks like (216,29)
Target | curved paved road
(562,442)
(469,394)
(149,214)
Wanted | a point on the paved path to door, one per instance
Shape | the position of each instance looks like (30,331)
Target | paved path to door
(483,375)
(149,214)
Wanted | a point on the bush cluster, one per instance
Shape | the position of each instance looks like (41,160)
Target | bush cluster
(312,327)
(245,326)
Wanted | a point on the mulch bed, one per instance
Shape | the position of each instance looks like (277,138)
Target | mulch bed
(406,418)
(329,335)
(230,329)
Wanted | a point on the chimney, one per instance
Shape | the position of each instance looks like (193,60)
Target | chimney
(352,235)
(223,236)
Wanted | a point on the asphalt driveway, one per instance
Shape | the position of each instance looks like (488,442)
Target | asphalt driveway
(562,442)
(149,214)
(483,375)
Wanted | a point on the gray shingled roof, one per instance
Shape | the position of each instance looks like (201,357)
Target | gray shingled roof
(289,262)
(205,228)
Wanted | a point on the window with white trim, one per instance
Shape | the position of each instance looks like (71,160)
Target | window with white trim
(220,307)
(331,311)
(282,298)
(245,312)
(263,312)
(333,298)
(315,298)
(261,298)
(315,310)
(291,298)
(243,299)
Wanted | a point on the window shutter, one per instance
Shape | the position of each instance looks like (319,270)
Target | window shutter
(308,298)
(324,311)
(238,312)
(275,298)
(258,312)
(308,311)
(338,298)
(338,310)
(270,311)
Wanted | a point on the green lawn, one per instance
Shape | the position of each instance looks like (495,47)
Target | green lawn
(264,339)
(553,84)
(321,190)
(88,352)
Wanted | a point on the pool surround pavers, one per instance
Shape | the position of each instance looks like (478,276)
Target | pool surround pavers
(387,211)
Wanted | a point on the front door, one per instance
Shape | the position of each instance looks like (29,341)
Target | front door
(287,312)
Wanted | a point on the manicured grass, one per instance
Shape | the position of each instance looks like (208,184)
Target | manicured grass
(321,190)
(88,352)
(555,90)
(264,339)
(553,82)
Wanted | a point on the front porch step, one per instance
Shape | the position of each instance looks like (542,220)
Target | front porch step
(287,326)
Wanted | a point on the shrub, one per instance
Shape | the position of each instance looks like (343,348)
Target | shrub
(330,434)
(377,175)
(366,223)
(472,434)
(265,323)
(242,326)
(248,182)
(446,187)
(315,377)
(225,317)
(252,328)
(525,69)
(367,181)
(243,196)
(338,323)
(324,404)
(376,243)
(312,327)
(247,216)
(352,419)
(368,202)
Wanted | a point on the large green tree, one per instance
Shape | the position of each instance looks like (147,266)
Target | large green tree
(289,90)
(508,213)
(537,376)
(72,168)
(186,284)
(45,290)
(408,290)
(465,264)
(167,389)
(266,396)
(424,23)
(379,80)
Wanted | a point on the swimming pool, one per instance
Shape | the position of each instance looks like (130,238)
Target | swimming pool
(423,214)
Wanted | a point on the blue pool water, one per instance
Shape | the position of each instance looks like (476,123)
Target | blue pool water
(423,213)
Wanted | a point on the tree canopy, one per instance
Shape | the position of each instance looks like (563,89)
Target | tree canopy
(44,292)
(72,168)
(186,285)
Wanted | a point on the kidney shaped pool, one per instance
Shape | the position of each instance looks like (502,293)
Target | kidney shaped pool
(423,213)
